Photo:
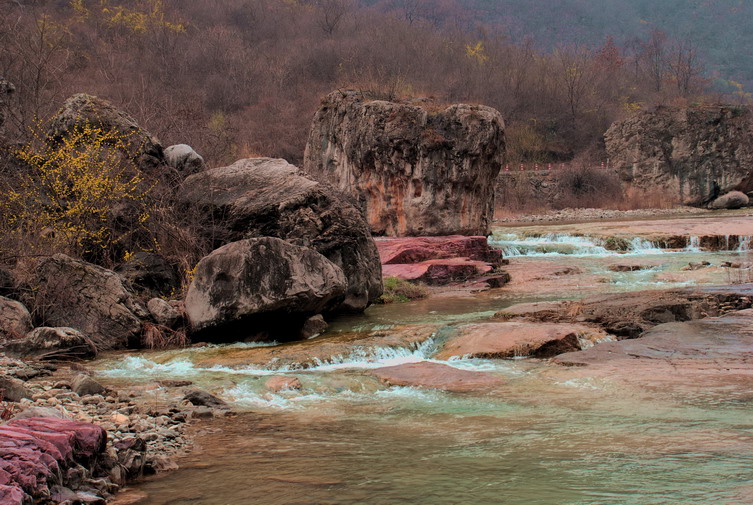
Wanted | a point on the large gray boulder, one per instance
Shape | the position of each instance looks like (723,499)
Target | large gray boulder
(82,109)
(694,154)
(15,320)
(56,344)
(256,286)
(269,197)
(731,200)
(415,170)
(75,294)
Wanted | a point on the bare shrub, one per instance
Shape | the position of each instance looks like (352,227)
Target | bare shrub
(586,186)
(155,336)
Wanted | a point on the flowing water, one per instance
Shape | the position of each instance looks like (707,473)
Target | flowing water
(549,435)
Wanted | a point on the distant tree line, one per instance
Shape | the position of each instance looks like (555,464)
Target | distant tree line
(244,77)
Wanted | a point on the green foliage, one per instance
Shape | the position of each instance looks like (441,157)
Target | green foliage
(397,290)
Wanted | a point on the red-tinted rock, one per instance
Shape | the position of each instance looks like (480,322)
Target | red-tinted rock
(438,271)
(437,376)
(282,383)
(418,249)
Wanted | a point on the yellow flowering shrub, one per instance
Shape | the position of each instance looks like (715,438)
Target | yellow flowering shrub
(63,196)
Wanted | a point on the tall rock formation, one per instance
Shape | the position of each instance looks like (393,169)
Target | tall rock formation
(415,170)
(695,153)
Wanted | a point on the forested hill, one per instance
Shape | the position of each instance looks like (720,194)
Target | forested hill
(722,29)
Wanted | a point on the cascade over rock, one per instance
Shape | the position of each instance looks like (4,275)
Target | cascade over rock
(262,285)
(269,197)
(415,171)
(696,153)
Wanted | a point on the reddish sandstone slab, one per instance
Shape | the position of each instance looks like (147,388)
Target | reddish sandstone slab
(509,339)
(418,249)
(438,271)
(437,376)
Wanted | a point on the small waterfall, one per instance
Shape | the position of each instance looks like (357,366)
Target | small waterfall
(550,244)
(743,244)
(694,244)
(640,246)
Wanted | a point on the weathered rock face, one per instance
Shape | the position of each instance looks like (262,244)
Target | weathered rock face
(6,89)
(53,344)
(260,285)
(91,299)
(150,273)
(415,171)
(268,197)
(696,153)
(83,109)
(15,320)
(427,374)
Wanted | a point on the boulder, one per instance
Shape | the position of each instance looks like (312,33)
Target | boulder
(438,272)
(202,398)
(184,159)
(260,285)
(394,251)
(75,294)
(269,197)
(731,200)
(163,313)
(12,389)
(694,153)
(15,320)
(315,325)
(416,170)
(150,274)
(512,339)
(83,385)
(82,109)
(431,375)
(53,344)
(279,383)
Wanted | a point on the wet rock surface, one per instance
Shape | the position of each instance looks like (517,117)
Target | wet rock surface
(438,260)
(512,339)
(269,197)
(628,315)
(415,171)
(437,376)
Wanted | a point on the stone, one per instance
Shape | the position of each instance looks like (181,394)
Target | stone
(269,197)
(438,272)
(406,250)
(163,313)
(184,159)
(622,267)
(694,153)
(202,398)
(262,284)
(150,274)
(82,109)
(40,412)
(57,344)
(731,200)
(314,326)
(279,383)
(84,385)
(74,294)
(628,315)
(415,170)
(437,376)
(12,389)
(15,320)
(517,338)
